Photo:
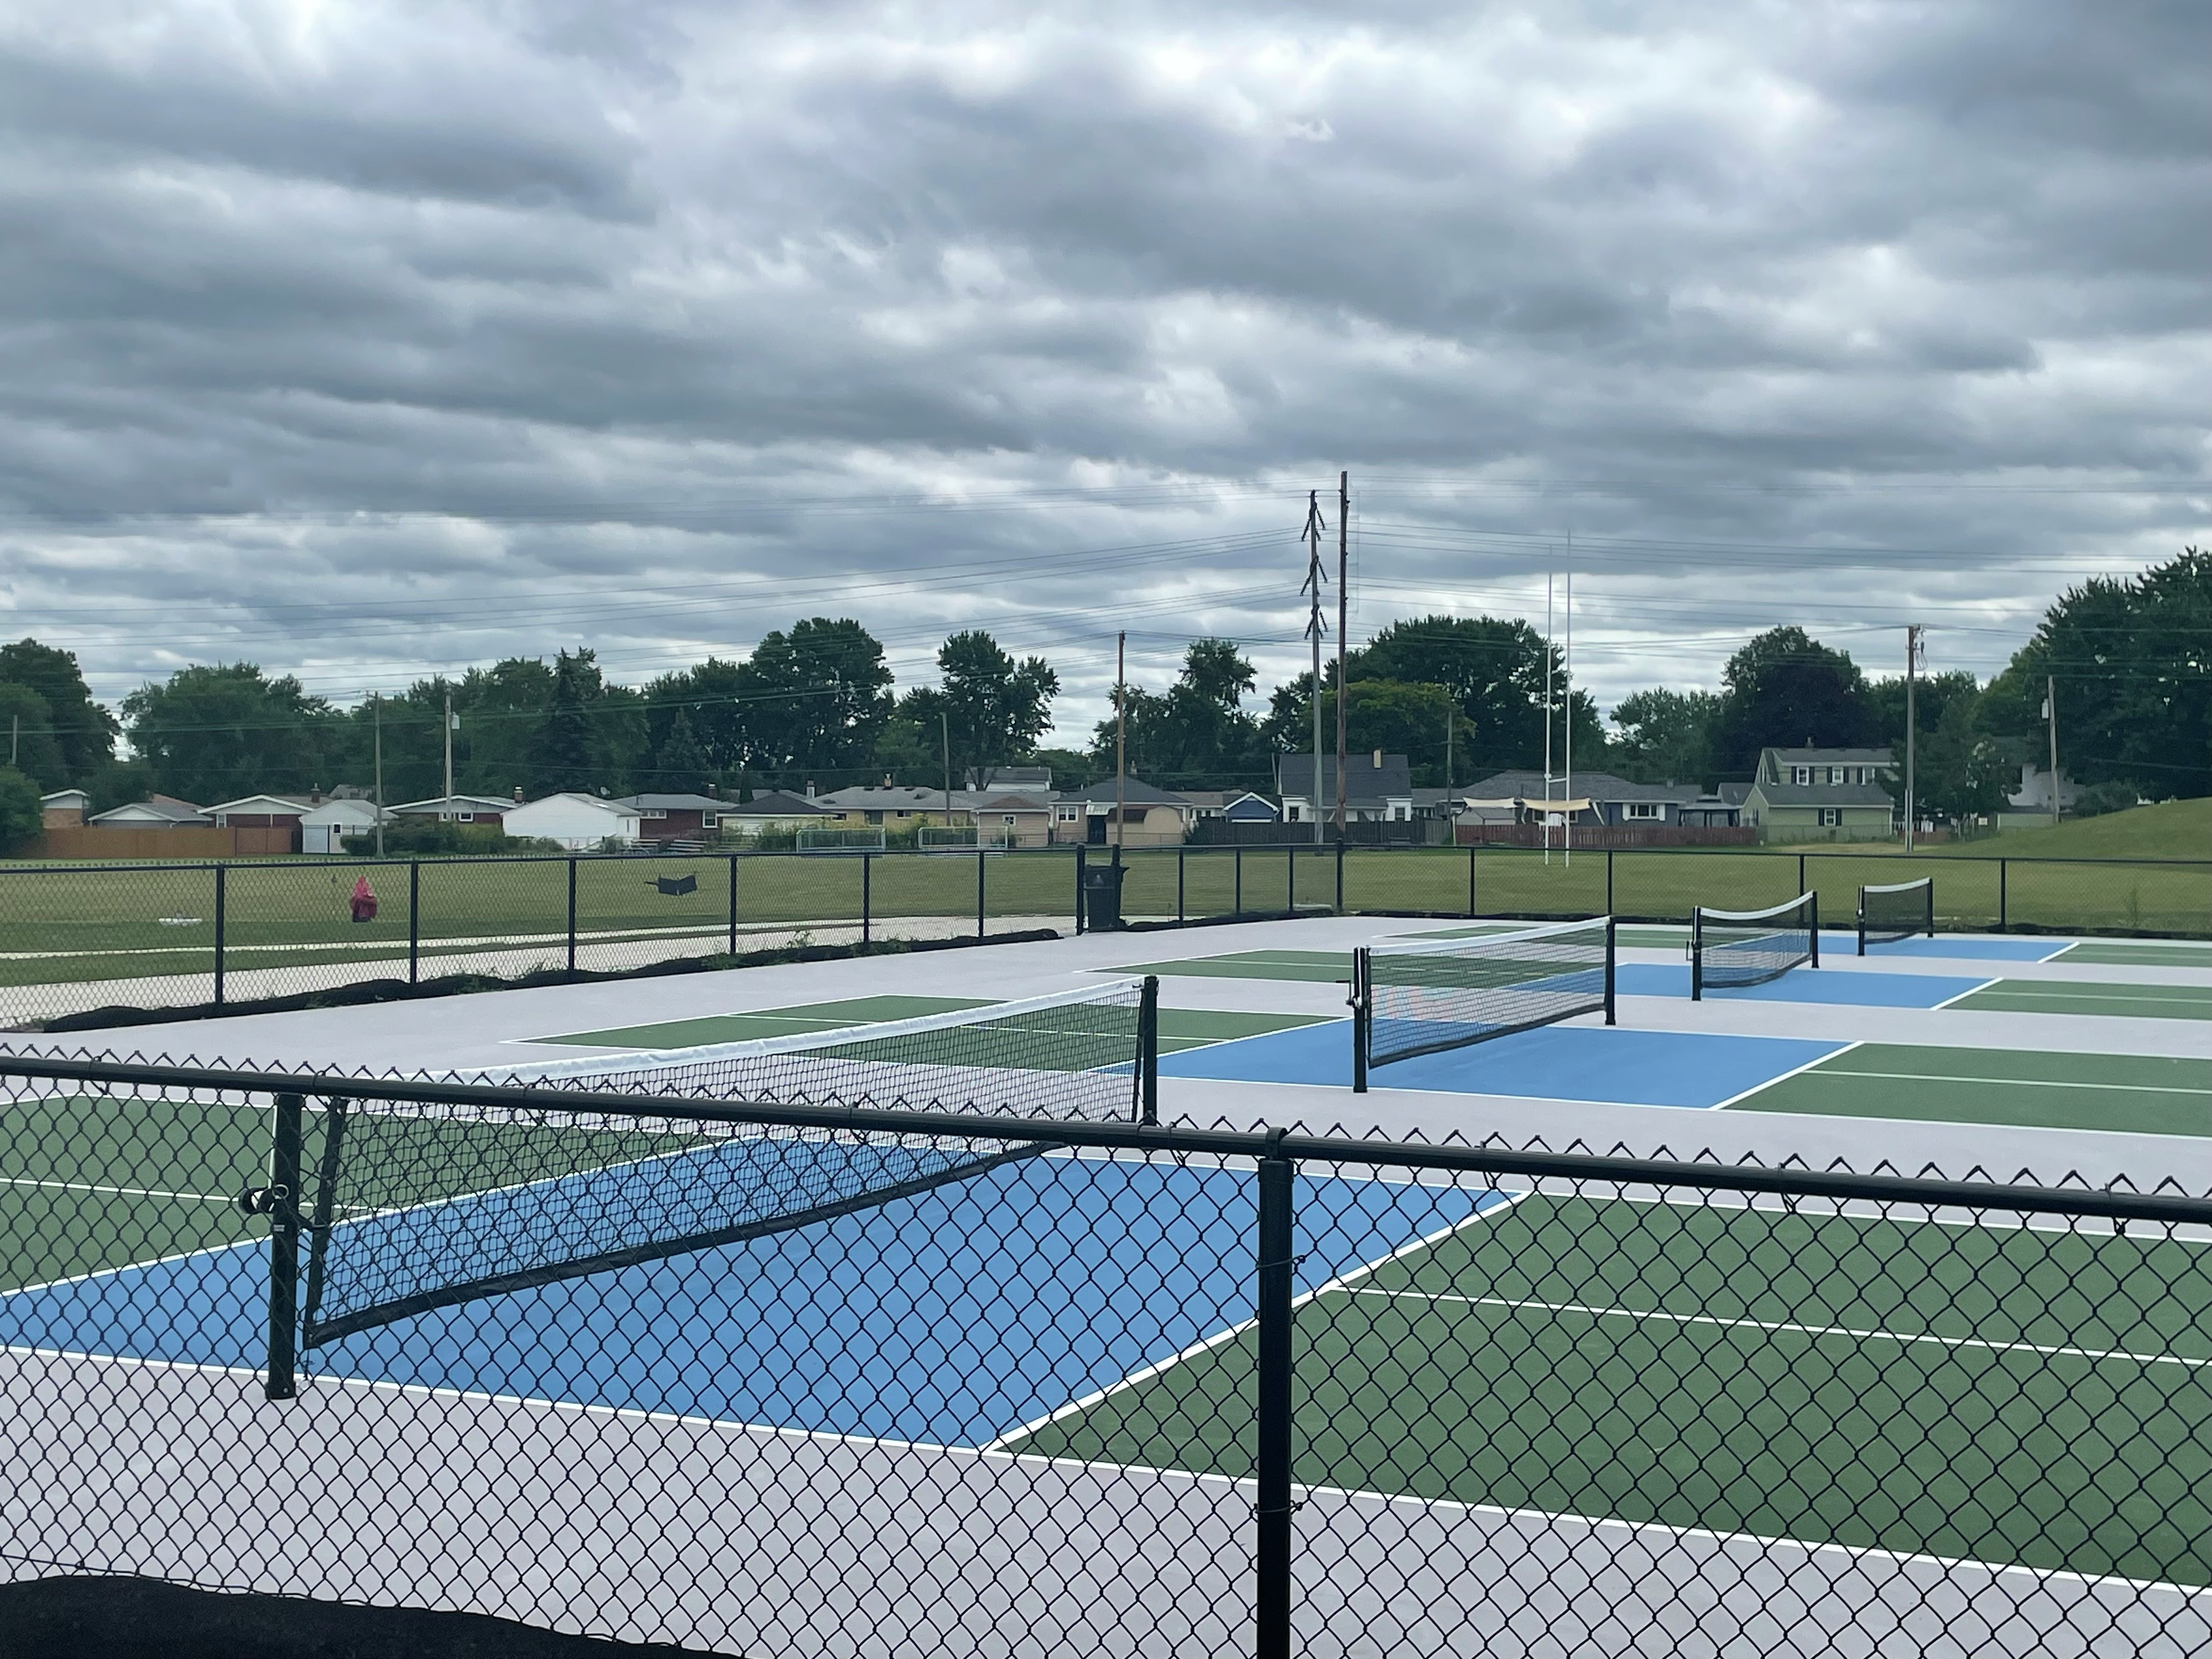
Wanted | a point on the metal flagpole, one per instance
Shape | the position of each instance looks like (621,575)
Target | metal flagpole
(1567,817)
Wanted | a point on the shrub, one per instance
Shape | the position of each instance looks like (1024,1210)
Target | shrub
(2095,800)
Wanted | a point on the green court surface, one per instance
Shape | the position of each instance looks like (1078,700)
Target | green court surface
(1998,1393)
(2123,953)
(2141,1094)
(1180,1027)
(1322,966)
(2045,996)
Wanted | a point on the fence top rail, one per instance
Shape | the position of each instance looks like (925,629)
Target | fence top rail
(1912,1191)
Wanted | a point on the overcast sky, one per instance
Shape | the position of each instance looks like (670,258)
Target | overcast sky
(370,341)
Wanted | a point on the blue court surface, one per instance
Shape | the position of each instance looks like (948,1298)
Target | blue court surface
(1855,989)
(875,1323)
(1553,1062)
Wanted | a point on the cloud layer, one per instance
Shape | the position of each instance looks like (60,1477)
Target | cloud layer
(369,341)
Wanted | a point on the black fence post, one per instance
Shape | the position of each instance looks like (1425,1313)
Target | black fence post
(1470,880)
(733,904)
(283,1199)
(980,867)
(1148,1050)
(1340,878)
(1179,877)
(1612,952)
(868,899)
(1274,1423)
(1082,860)
(1608,901)
(414,922)
(221,910)
(572,915)
(2003,905)
(1236,888)
(1290,881)
(1800,872)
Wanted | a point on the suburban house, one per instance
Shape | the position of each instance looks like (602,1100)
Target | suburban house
(65,809)
(155,813)
(1377,788)
(2029,802)
(1020,817)
(1599,798)
(1834,794)
(277,818)
(772,809)
(577,821)
(1236,805)
(678,817)
(1094,817)
(889,806)
(1020,813)
(1716,809)
(323,828)
(456,808)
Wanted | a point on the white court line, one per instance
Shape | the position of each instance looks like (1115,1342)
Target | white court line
(1903,1337)
(1482,1213)
(2018,1082)
(119,1191)
(1970,991)
(1833,1053)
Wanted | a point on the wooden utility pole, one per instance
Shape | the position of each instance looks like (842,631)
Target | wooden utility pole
(1911,733)
(1314,630)
(449,749)
(1343,625)
(1120,740)
(945,731)
(376,711)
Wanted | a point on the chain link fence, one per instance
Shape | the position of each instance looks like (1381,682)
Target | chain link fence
(1088,1387)
(75,939)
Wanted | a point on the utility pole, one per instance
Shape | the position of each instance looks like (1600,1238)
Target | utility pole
(2050,713)
(1120,740)
(1343,624)
(376,707)
(1911,733)
(14,737)
(1315,627)
(449,748)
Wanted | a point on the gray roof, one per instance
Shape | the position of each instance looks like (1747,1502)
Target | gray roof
(1824,794)
(676,803)
(161,806)
(1134,790)
(773,803)
(1832,757)
(895,798)
(1584,785)
(1363,785)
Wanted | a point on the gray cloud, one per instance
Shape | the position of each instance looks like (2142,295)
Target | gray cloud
(372,341)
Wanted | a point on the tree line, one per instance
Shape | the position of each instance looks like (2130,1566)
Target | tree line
(1462,698)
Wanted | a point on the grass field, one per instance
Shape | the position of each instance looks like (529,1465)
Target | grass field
(2171,830)
(2003,1394)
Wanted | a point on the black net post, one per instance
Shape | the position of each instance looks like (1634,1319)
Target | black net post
(414,920)
(1274,1383)
(733,909)
(1612,942)
(1148,1051)
(1862,931)
(1362,1013)
(1931,907)
(222,908)
(1697,953)
(1815,899)
(283,1202)
(1081,863)
(572,915)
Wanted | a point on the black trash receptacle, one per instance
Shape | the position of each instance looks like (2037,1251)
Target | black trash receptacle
(1102,897)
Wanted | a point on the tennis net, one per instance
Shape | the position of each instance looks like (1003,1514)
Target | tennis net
(1432,995)
(1734,948)
(415,1206)
(1901,911)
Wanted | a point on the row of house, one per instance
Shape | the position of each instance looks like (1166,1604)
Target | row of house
(1795,793)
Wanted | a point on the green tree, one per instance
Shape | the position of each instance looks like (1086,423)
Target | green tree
(84,731)
(210,733)
(501,710)
(680,765)
(1665,736)
(1785,689)
(2132,658)
(1959,769)
(995,708)
(1493,667)
(21,819)
(560,753)
(1932,694)
(815,699)
(1196,735)
(27,728)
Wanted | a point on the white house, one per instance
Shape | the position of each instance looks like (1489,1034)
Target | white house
(323,830)
(455,809)
(578,822)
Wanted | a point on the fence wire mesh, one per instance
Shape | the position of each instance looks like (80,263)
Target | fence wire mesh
(1158,1390)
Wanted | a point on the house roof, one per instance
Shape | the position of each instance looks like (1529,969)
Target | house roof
(1134,790)
(677,803)
(270,806)
(1590,785)
(441,802)
(1823,794)
(58,796)
(1364,785)
(1830,756)
(775,803)
(620,809)
(894,798)
(162,809)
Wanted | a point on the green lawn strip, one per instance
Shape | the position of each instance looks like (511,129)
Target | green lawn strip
(2033,996)
(2141,1094)
(1531,1389)
(2115,953)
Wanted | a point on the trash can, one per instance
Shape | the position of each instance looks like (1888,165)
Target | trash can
(1102,897)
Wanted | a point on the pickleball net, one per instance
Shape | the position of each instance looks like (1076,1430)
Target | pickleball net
(1733,949)
(1901,911)
(409,1206)
(1432,995)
